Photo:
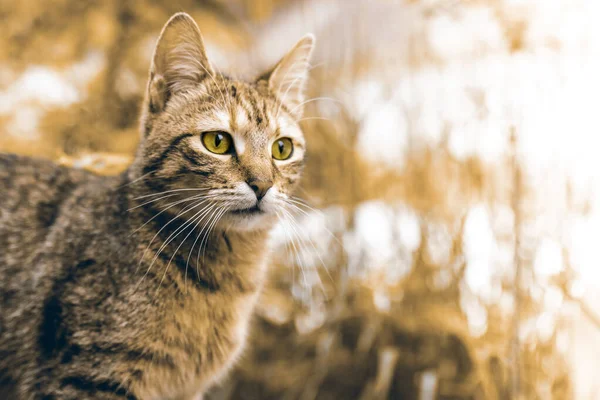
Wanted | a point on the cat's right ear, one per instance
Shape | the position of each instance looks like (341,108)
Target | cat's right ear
(179,62)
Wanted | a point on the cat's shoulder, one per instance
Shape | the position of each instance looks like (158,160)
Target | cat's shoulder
(27,182)
(18,170)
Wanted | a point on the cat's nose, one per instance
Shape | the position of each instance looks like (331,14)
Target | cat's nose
(260,187)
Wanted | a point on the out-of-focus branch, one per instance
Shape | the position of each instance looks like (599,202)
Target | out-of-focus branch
(585,309)
(457,256)
(516,206)
(125,17)
(379,388)
(583,306)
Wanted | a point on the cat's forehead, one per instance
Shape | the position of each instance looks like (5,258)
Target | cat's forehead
(248,113)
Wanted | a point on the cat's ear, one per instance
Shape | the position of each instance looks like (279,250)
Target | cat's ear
(289,76)
(179,61)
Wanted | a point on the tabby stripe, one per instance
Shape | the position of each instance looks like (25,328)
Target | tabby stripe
(233,119)
(259,111)
(88,385)
(275,169)
(49,211)
(181,263)
(246,107)
(52,334)
(115,349)
(295,164)
(227,241)
(190,158)
(158,162)
(160,219)
(9,164)
(266,114)
(283,107)
(256,111)
(122,203)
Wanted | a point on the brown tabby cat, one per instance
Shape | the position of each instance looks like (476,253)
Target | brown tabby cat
(142,286)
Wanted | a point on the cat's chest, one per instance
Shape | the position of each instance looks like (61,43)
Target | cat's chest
(199,346)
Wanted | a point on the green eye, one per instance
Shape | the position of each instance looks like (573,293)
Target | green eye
(282,149)
(217,142)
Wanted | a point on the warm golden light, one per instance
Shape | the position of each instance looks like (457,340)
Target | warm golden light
(443,242)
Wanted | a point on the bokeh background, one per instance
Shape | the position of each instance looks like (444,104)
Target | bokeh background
(448,242)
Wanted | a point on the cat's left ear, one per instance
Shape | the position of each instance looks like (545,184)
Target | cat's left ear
(179,62)
(289,77)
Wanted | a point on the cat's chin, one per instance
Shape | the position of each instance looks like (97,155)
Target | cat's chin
(248,220)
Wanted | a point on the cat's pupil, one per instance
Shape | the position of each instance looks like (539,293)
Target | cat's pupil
(280,145)
(218,139)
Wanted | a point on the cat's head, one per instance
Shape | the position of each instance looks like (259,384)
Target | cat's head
(236,146)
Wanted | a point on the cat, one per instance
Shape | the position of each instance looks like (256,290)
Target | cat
(142,285)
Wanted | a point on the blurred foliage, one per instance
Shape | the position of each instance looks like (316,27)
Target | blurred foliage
(359,335)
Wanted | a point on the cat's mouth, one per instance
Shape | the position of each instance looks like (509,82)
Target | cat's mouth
(254,210)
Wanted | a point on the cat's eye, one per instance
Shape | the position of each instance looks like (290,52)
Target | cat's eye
(282,149)
(217,142)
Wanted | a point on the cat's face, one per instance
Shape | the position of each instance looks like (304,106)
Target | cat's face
(230,151)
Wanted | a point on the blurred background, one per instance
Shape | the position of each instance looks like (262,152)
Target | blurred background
(447,243)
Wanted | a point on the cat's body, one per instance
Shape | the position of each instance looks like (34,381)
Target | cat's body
(70,268)
(142,285)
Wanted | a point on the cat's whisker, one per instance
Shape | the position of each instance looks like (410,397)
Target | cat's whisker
(209,216)
(146,176)
(192,221)
(296,254)
(323,264)
(159,199)
(148,247)
(204,242)
(317,65)
(306,67)
(172,237)
(313,118)
(299,201)
(212,76)
(288,248)
(169,206)
(209,225)
(136,179)
(295,203)
(182,212)
(204,233)
(314,99)
(187,263)
(170,191)
(301,242)
(224,209)
(210,96)
(285,94)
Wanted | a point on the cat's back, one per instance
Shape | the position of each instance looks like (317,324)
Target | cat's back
(32,194)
